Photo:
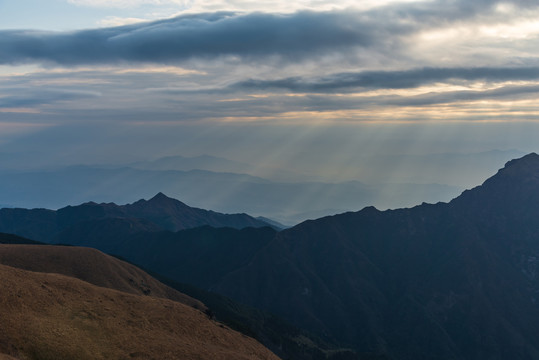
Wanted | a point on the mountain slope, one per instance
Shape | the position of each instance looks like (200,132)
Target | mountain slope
(35,224)
(451,281)
(203,256)
(199,256)
(51,316)
(278,335)
(14,239)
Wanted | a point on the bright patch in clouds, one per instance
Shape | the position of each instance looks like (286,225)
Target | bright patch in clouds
(112,21)
(7,70)
(8,127)
(519,30)
(194,6)
(127,3)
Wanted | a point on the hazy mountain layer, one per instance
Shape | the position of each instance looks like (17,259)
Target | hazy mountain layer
(286,202)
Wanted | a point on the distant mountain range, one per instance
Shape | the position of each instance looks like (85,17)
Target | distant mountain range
(202,162)
(158,213)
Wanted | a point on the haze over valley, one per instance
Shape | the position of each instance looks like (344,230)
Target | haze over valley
(228,186)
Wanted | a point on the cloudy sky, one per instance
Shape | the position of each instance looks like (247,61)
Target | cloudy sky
(296,83)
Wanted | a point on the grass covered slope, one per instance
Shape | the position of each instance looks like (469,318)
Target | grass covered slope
(6,357)
(51,316)
(92,266)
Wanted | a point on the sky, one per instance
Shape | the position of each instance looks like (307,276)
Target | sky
(307,85)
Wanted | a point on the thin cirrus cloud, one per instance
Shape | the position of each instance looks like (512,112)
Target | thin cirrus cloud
(325,105)
(405,79)
(25,97)
(126,3)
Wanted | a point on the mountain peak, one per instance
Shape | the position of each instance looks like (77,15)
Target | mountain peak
(517,183)
(160,197)
(526,163)
(523,169)
(159,203)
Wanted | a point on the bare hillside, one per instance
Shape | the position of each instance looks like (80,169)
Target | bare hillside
(51,316)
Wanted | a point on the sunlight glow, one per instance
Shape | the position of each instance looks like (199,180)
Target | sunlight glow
(17,111)
(175,70)
(518,30)
(242,5)
(112,21)
(142,69)
(19,70)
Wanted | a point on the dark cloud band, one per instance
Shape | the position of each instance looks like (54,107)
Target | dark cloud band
(292,37)
(203,36)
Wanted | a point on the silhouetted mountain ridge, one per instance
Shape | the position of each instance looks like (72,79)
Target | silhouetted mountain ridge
(515,184)
(173,215)
(158,213)
(449,280)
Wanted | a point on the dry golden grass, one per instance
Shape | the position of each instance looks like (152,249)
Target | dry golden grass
(54,317)
(92,266)
(6,357)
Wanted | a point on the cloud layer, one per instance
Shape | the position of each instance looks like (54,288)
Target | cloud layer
(437,61)
(346,82)
(257,35)
(387,35)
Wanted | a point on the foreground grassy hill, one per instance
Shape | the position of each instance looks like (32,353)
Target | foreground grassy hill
(54,316)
